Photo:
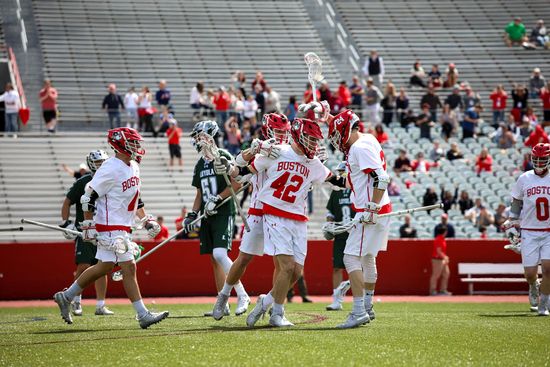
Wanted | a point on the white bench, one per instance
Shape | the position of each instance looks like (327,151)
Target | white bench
(476,269)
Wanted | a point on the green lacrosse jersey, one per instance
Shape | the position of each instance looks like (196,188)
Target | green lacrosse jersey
(339,207)
(74,194)
(210,184)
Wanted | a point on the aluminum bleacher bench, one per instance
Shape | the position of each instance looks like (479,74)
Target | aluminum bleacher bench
(490,273)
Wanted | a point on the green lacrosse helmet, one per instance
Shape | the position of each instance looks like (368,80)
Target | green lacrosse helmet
(208,127)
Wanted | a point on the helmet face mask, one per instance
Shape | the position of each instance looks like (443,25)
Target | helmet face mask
(540,157)
(203,130)
(127,141)
(95,159)
(276,126)
(306,134)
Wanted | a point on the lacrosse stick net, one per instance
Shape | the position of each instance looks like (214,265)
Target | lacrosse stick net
(315,71)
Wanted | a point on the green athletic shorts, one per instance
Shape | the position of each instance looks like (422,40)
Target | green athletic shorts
(216,231)
(338,253)
(84,252)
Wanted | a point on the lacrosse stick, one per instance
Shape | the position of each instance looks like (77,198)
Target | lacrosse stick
(315,71)
(13,229)
(338,227)
(211,152)
(49,226)
(117,275)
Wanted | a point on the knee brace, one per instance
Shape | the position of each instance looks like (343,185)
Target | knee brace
(220,255)
(352,263)
(369,268)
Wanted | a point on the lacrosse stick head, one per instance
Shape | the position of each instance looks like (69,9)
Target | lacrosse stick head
(315,68)
(337,227)
(117,276)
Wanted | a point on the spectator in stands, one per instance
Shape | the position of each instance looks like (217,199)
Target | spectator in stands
(164,120)
(505,138)
(499,97)
(432,100)
(48,101)
(417,75)
(374,68)
(174,133)
(536,83)
(342,99)
(237,105)
(273,100)
(393,189)
(308,94)
(222,102)
(401,106)
(259,81)
(472,213)
(447,198)
(373,97)
(500,216)
(545,98)
(325,93)
(82,170)
(422,165)
(539,35)
(402,163)
(530,118)
(454,100)
(407,230)
(452,76)
(163,96)
(471,98)
(199,101)
(259,96)
(434,76)
(464,202)
(484,162)
(408,118)
(440,265)
(291,109)
(449,122)
(12,104)
(250,109)
(145,110)
(471,120)
(483,233)
(112,103)
(454,152)
(430,197)
(381,135)
(425,123)
(247,134)
(163,234)
(388,103)
(444,224)
(537,136)
(238,80)
(520,97)
(436,153)
(514,33)
(131,104)
(527,165)
(357,93)
(233,136)
(485,218)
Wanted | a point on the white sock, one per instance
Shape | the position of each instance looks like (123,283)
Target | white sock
(268,300)
(335,294)
(140,308)
(226,290)
(100,303)
(239,288)
(368,299)
(72,292)
(77,299)
(278,309)
(358,306)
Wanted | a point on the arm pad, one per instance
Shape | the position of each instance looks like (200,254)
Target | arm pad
(239,160)
(88,199)
(243,171)
(381,178)
(515,208)
(141,204)
(337,181)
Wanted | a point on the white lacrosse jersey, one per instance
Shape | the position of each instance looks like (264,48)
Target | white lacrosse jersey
(534,191)
(118,186)
(288,180)
(365,155)
(255,207)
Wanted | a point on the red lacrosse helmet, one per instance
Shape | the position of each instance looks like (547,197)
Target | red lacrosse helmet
(276,125)
(339,129)
(126,141)
(306,134)
(540,157)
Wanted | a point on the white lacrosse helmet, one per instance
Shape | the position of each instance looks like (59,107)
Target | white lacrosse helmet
(95,158)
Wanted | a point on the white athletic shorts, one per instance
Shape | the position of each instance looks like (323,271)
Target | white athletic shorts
(366,239)
(252,242)
(535,246)
(105,255)
(284,236)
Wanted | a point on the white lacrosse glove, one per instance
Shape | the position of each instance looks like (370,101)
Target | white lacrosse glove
(322,153)
(89,232)
(267,148)
(321,109)
(210,206)
(370,215)
(189,218)
(328,236)
(152,227)
(68,225)
(223,166)
(511,229)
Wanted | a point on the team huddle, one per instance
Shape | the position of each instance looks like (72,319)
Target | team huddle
(281,169)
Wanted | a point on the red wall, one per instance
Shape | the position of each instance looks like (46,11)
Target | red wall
(38,270)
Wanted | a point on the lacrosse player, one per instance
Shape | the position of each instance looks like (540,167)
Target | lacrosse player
(530,215)
(110,203)
(339,210)
(216,232)
(275,130)
(84,251)
(283,196)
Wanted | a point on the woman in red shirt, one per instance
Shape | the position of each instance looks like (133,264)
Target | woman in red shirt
(484,162)
(380,134)
(499,97)
(440,264)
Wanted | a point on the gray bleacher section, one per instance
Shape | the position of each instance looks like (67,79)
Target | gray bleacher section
(87,45)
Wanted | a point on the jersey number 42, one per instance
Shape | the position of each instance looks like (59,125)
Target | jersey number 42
(286,186)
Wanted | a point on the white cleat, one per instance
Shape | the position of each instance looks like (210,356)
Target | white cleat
(103,311)
(335,306)
(354,321)
(219,307)
(534,294)
(257,312)
(516,248)
(370,312)
(76,308)
(543,311)
(242,305)
(64,307)
(277,320)
(151,318)
(226,312)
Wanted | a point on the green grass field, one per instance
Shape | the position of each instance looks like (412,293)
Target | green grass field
(416,334)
